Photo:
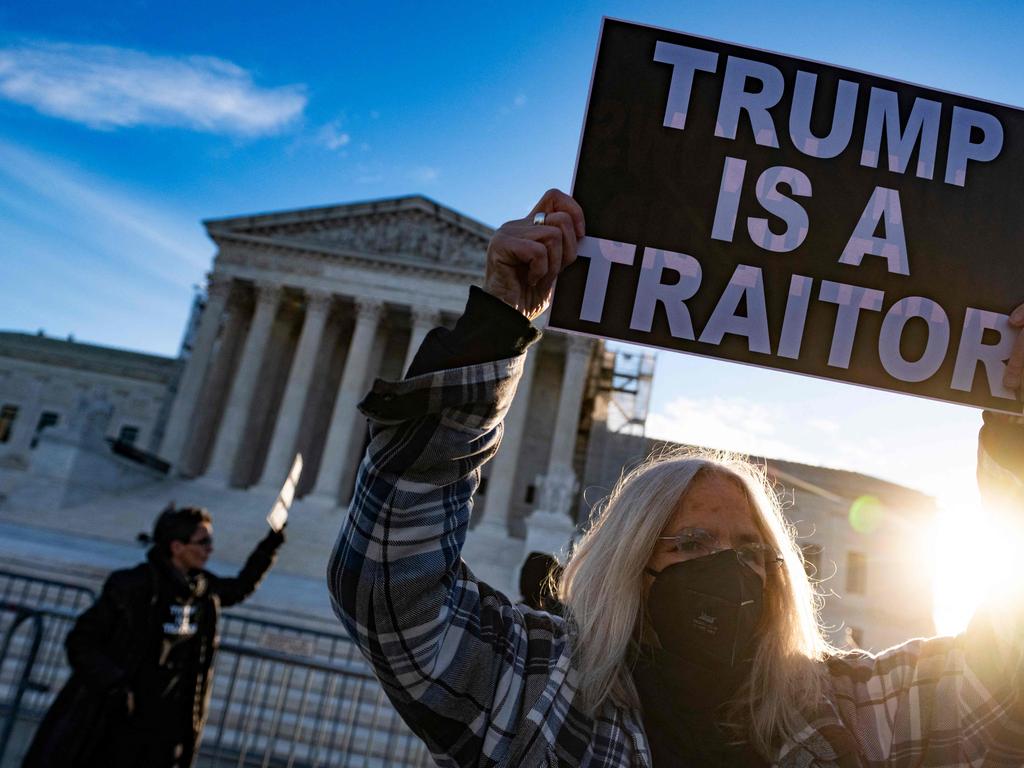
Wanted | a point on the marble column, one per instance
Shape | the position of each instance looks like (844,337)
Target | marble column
(179,422)
(341,435)
(424,319)
(550,527)
(493,555)
(574,380)
(236,413)
(216,386)
(289,415)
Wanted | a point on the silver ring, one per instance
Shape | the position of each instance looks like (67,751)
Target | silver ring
(538,218)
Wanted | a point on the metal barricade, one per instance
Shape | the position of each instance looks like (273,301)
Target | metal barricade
(275,709)
(282,694)
(35,591)
(22,616)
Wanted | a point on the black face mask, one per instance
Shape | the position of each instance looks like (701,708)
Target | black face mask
(706,610)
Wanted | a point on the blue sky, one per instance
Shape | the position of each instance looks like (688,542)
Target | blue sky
(123,125)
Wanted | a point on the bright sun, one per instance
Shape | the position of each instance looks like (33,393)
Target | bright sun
(973,554)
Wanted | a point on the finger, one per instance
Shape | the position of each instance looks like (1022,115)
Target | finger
(514,251)
(551,238)
(1015,365)
(556,200)
(564,254)
(1017,317)
(556,234)
(531,255)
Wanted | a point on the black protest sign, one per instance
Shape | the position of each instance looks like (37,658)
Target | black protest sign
(765,209)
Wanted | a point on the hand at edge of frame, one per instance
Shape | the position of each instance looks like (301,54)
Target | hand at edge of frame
(1014,373)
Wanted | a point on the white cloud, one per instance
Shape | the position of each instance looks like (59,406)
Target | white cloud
(106,88)
(940,466)
(518,102)
(84,254)
(143,238)
(733,424)
(425,174)
(825,425)
(332,137)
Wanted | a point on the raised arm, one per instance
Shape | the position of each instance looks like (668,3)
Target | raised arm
(235,589)
(459,661)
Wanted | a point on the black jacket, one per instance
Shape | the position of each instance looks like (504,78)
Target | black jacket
(120,645)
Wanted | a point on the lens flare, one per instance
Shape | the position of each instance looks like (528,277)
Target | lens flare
(866,514)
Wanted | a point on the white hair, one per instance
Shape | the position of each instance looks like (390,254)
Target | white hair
(603,590)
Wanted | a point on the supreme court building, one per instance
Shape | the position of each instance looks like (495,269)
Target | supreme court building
(305,308)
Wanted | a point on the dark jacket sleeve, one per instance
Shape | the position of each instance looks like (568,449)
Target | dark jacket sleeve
(488,330)
(238,588)
(95,634)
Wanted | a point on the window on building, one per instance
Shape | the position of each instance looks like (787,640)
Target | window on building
(812,560)
(856,573)
(128,434)
(531,491)
(46,419)
(8,415)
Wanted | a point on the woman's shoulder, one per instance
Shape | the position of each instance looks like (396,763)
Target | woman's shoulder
(907,658)
(130,582)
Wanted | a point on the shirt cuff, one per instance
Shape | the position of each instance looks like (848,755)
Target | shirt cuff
(488,330)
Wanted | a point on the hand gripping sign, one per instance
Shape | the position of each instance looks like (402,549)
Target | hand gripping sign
(785,213)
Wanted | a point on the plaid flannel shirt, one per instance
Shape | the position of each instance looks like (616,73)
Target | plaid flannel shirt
(486,682)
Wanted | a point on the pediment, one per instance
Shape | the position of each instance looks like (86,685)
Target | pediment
(410,229)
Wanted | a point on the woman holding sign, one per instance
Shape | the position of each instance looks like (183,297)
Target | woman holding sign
(690,634)
(142,655)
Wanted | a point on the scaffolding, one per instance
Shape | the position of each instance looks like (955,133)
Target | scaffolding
(626,378)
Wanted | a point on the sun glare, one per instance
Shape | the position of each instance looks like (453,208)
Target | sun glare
(973,557)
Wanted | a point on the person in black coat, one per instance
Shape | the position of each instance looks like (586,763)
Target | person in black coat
(141,655)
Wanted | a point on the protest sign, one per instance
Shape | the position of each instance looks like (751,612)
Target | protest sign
(282,504)
(775,211)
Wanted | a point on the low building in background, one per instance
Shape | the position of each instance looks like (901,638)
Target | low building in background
(302,311)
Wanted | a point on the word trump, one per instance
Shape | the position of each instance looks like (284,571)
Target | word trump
(921,129)
(672,279)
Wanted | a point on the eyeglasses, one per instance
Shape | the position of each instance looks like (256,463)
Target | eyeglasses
(206,542)
(692,543)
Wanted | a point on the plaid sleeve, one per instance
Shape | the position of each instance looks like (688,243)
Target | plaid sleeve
(459,661)
(945,701)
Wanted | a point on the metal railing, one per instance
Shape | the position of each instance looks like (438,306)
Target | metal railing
(22,616)
(31,590)
(270,708)
(282,695)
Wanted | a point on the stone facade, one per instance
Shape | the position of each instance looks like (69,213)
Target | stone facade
(41,376)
